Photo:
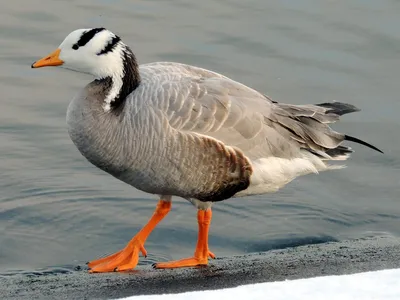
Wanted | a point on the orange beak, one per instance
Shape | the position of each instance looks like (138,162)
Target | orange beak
(50,60)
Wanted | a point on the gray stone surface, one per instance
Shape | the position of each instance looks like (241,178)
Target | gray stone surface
(345,257)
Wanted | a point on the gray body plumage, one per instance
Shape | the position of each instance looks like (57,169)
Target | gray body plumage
(193,133)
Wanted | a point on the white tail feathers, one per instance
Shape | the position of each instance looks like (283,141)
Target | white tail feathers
(272,173)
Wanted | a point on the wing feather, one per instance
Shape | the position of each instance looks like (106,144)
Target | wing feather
(201,101)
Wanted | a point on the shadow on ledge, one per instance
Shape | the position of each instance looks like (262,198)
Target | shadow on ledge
(332,258)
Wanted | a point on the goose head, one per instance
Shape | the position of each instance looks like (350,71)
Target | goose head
(101,53)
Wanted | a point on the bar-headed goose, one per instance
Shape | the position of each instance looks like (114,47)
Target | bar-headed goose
(172,129)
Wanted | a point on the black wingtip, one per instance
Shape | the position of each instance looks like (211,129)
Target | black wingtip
(339,108)
(356,140)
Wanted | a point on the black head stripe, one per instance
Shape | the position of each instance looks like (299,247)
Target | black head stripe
(86,37)
(110,46)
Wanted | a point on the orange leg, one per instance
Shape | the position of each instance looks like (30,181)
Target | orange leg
(201,253)
(127,258)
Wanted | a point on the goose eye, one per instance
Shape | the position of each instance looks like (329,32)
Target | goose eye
(75,47)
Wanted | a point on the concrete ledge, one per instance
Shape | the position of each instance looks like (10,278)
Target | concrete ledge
(334,258)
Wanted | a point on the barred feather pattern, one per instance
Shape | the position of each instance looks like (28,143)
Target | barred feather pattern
(194,133)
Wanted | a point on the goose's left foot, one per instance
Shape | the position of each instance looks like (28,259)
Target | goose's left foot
(202,253)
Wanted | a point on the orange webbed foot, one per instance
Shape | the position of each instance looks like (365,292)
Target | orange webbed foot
(123,260)
(186,262)
(128,258)
(201,253)
(182,263)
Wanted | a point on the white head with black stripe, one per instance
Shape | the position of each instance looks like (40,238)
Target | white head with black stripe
(99,52)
